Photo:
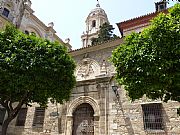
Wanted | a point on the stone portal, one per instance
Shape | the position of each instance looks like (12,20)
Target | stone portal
(83,120)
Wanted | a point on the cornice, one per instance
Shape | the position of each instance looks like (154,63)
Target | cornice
(93,81)
(108,44)
(89,35)
(29,9)
(42,24)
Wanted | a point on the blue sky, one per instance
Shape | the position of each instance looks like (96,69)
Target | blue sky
(69,15)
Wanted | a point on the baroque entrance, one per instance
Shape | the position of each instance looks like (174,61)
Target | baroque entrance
(83,120)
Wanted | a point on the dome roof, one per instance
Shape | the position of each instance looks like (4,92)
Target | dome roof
(97,10)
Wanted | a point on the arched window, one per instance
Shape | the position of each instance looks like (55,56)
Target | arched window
(94,23)
(6,12)
(83,120)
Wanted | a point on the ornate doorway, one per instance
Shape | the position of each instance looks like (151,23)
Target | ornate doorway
(83,120)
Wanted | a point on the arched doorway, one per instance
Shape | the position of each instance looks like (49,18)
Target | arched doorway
(83,120)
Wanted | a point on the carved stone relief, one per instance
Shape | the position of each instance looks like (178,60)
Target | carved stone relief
(87,69)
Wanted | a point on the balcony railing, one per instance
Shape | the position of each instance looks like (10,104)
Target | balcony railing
(9,17)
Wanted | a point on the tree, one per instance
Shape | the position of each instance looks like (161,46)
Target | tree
(148,63)
(32,70)
(105,34)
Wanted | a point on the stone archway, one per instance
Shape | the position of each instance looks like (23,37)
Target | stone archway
(34,29)
(73,107)
(83,120)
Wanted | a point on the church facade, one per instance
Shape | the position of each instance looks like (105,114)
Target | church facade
(98,105)
(20,14)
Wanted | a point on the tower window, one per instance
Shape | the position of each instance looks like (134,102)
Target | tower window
(153,116)
(94,23)
(161,7)
(6,12)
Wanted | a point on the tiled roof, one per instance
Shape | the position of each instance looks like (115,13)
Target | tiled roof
(137,20)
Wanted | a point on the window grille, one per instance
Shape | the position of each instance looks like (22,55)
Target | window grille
(5,12)
(39,117)
(152,116)
(2,115)
(21,118)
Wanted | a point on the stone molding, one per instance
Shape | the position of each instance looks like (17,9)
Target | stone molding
(80,100)
(35,29)
(108,44)
(87,69)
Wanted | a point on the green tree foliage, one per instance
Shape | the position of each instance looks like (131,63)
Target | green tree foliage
(32,70)
(148,63)
(105,34)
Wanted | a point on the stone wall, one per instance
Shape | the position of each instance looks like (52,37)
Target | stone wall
(112,115)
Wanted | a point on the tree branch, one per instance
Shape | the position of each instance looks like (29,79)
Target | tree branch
(4,103)
(3,95)
(23,101)
(10,106)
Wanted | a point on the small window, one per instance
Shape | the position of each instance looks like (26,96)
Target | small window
(83,42)
(26,32)
(39,117)
(2,115)
(21,118)
(153,117)
(162,7)
(6,12)
(94,23)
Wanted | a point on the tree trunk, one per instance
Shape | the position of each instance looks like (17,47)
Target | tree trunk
(12,112)
(5,125)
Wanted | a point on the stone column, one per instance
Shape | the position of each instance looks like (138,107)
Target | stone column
(69,124)
(105,101)
(96,125)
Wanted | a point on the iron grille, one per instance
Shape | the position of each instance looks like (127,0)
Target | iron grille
(39,117)
(152,116)
(21,118)
(6,14)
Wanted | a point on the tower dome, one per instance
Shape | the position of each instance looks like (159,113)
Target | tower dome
(98,10)
(95,19)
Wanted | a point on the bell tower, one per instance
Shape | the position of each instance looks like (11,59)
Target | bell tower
(93,22)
